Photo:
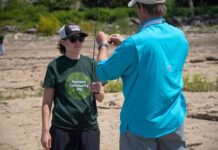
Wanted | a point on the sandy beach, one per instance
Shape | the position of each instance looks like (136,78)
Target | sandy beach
(22,70)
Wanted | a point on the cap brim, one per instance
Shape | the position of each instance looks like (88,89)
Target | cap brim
(84,34)
(131,3)
(76,33)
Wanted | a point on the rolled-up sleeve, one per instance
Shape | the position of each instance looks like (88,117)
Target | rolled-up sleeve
(119,63)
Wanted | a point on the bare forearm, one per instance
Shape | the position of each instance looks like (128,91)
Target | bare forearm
(46,108)
(46,112)
(102,54)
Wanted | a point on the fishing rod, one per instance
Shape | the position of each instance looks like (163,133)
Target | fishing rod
(94,40)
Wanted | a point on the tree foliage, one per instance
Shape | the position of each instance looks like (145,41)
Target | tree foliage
(48,25)
(57,4)
(28,13)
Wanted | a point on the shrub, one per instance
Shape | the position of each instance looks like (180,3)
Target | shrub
(23,17)
(90,14)
(121,26)
(114,86)
(206,10)
(182,12)
(39,92)
(71,16)
(120,13)
(171,7)
(48,25)
(216,84)
(198,83)
(108,15)
(87,26)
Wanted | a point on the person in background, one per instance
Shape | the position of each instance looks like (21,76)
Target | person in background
(71,85)
(2,48)
(150,63)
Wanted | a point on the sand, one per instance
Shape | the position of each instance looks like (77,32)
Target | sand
(22,70)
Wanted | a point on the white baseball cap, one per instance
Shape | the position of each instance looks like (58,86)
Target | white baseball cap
(70,30)
(132,2)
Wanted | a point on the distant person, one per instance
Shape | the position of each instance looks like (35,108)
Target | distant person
(150,64)
(2,48)
(71,85)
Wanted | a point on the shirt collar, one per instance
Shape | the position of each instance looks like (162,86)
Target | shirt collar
(151,21)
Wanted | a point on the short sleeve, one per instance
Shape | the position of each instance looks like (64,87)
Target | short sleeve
(49,80)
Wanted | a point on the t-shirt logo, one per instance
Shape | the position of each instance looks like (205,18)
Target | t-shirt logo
(77,85)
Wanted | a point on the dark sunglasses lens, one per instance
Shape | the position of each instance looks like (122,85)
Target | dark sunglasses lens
(74,39)
(81,39)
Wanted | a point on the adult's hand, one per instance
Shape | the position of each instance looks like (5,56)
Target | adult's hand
(115,39)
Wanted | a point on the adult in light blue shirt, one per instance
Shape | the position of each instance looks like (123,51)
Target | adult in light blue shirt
(150,64)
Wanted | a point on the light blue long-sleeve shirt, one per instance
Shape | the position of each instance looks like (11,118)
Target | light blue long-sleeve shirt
(150,64)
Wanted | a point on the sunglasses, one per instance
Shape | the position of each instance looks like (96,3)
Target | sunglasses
(73,39)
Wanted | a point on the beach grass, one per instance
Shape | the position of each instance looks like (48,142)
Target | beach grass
(192,83)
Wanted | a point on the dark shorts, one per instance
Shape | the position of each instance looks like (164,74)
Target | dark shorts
(63,139)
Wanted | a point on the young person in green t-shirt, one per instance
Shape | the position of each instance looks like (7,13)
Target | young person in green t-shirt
(72,85)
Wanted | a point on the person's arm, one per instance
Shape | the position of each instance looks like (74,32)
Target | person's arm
(46,112)
(121,62)
(103,40)
(102,54)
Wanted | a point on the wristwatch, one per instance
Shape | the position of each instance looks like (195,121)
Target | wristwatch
(101,45)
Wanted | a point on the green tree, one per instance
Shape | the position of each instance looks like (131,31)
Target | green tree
(105,3)
(95,3)
(57,4)
(120,3)
(13,4)
(171,8)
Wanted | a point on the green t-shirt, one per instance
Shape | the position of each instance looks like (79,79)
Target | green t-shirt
(74,105)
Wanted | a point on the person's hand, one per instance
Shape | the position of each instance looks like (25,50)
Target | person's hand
(95,87)
(46,140)
(101,37)
(98,89)
(115,39)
